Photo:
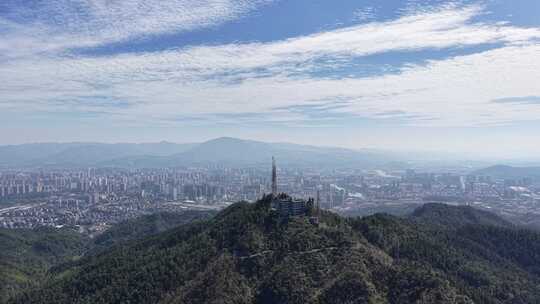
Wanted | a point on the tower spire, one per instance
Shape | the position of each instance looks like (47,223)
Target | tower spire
(274,178)
(317,204)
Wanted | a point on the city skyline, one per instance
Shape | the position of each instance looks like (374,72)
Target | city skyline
(457,76)
(269,151)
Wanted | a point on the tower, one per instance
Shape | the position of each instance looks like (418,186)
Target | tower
(274,178)
(318,206)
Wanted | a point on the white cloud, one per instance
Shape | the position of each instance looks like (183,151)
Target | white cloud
(197,81)
(439,29)
(456,91)
(56,25)
(365,14)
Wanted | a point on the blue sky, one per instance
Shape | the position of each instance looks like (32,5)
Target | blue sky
(459,76)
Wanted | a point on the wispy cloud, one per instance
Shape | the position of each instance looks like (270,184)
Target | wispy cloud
(365,14)
(56,25)
(524,100)
(231,82)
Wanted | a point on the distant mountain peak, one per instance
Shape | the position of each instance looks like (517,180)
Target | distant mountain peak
(225,150)
(456,216)
(229,140)
(510,172)
(500,166)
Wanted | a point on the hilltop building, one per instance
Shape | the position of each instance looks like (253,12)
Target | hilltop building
(285,205)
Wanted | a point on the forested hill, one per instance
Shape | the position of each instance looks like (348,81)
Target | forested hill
(27,255)
(456,216)
(145,226)
(246,254)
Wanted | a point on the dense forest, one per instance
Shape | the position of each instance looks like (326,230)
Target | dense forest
(248,254)
(145,226)
(26,255)
(29,256)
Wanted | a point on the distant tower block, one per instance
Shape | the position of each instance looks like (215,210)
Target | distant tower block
(318,203)
(274,178)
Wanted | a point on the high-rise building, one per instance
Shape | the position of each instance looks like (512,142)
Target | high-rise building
(318,202)
(274,177)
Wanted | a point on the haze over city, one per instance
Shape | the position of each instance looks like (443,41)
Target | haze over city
(269,151)
(450,76)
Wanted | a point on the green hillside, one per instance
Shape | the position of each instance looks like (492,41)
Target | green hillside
(246,254)
(145,226)
(456,216)
(26,255)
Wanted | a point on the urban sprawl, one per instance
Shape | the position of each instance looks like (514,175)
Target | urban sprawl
(93,199)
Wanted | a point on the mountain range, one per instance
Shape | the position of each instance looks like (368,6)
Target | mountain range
(224,150)
(248,254)
(82,154)
(510,172)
